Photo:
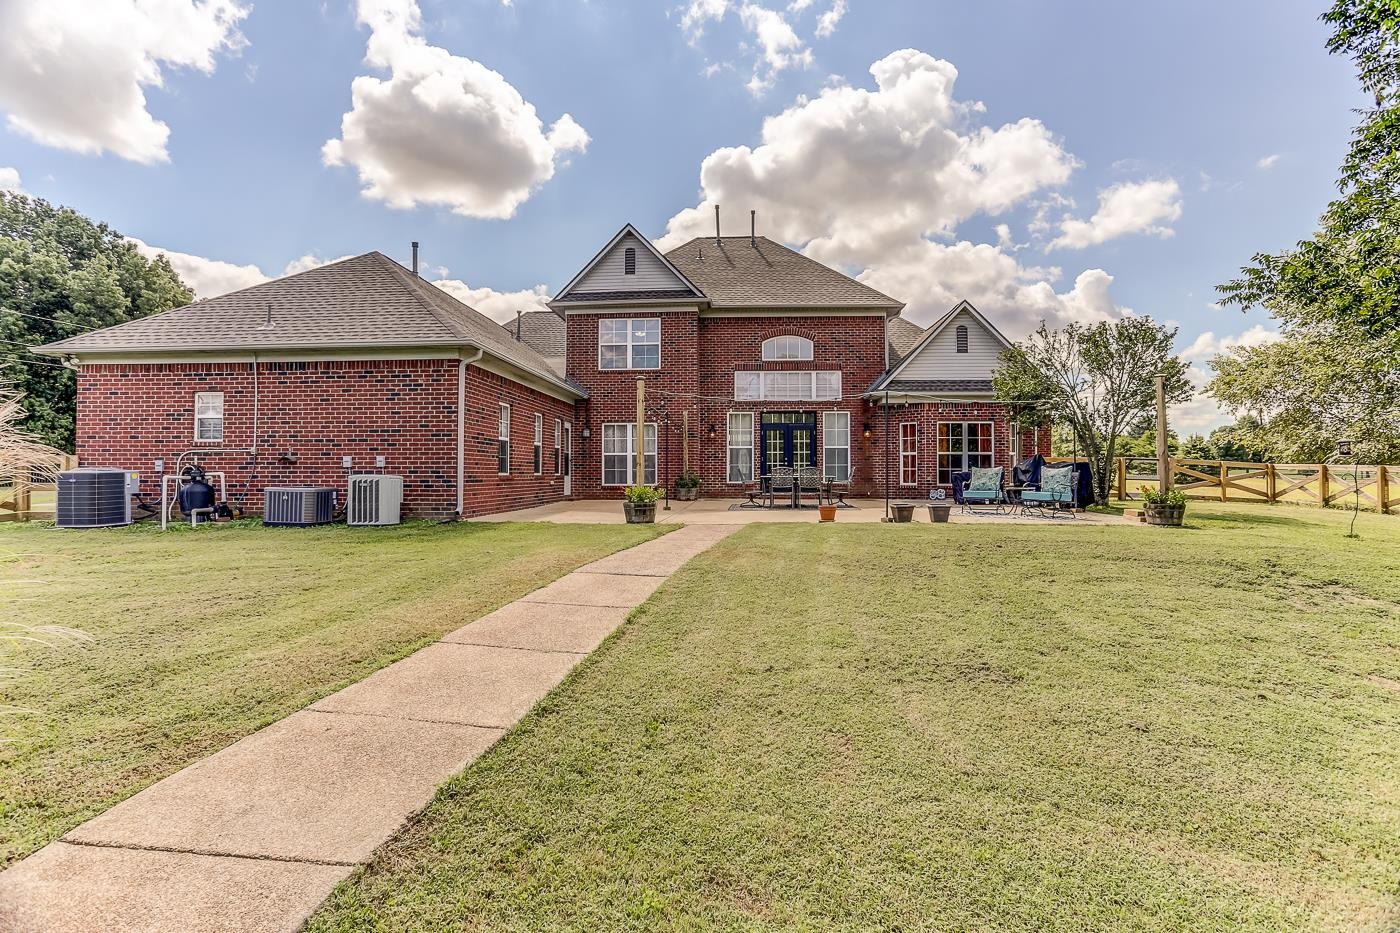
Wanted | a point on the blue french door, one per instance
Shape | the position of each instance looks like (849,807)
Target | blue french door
(789,440)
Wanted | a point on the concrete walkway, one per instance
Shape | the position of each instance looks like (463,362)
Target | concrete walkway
(255,836)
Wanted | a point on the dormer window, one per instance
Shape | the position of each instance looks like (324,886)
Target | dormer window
(629,261)
(962,338)
(790,347)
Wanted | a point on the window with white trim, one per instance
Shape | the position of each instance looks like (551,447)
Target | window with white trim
(962,445)
(740,438)
(836,445)
(787,347)
(629,343)
(909,454)
(620,454)
(806,386)
(503,441)
(539,443)
(558,436)
(209,416)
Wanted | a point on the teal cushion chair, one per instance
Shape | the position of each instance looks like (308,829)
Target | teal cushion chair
(983,487)
(1056,490)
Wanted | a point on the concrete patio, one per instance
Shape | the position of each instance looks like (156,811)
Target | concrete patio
(719,512)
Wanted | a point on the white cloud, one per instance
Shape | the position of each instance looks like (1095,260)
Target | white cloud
(9,180)
(779,46)
(208,277)
(442,129)
(1130,207)
(307,262)
(826,23)
(1203,413)
(1268,162)
(699,12)
(74,73)
(499,306)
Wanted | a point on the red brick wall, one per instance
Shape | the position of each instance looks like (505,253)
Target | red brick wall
(926,416)
(404,410)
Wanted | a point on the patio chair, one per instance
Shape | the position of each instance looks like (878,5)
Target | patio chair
(983,490)
(1055,497)
(810,482)
(780,484)
(755,491)
(836,492)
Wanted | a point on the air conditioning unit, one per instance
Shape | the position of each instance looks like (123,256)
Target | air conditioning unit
(298,505)
(94,497)
(374,499)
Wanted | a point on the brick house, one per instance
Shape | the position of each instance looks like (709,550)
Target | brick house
(767,357)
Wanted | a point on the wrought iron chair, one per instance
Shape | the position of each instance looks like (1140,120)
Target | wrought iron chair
(780,483)
(809,482)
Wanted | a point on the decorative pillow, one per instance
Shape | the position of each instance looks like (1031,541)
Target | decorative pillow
(985,479)
(1055,479)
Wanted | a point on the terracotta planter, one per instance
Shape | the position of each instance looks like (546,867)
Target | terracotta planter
(639,513)
(687,493)
(939,512)
(827,512)
(902,512)
(1171,515)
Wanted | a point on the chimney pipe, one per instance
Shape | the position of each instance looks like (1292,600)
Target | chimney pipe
(717,242)
(518,312)
(753,228)
(415,257)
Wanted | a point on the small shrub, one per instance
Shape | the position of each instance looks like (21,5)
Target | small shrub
(688,481)
(1152,496)
(641,495)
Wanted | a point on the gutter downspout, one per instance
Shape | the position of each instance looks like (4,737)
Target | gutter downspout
(462,365)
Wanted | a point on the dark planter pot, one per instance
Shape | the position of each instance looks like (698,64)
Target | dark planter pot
(1164,514)
(939,512)
(902,512)
(639,513)
(687,493)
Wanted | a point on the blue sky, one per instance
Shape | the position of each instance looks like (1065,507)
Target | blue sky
(1157,145)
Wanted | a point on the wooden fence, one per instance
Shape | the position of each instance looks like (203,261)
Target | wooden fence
(22,500)
(1376,487)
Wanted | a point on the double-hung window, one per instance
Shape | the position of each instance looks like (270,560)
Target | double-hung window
(539,444)
(629,343)
(962,445)
(209,416)
(740,447)
(558,434)
(503,441)
(908,454)
(836,445)
(620,454)
(787,386)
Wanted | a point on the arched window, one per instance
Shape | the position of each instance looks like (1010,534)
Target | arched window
(629,261)
(962,338)
(787,348)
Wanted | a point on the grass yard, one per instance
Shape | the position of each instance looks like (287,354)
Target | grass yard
(868,727)
(196,638)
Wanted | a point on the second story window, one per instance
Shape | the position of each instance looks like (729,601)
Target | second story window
(629,343)
(962,338)
(629,261)
(787,348)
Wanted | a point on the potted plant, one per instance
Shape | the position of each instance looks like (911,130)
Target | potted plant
(827,511)
(639,504)
(1163,508)
(687,487)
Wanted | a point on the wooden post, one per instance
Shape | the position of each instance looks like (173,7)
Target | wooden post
(685,441)
(1224,481)
(22,478)
(1382,490)
(1122,479)
(640,478)
(1323,486)
(1270,483)
(1164,476)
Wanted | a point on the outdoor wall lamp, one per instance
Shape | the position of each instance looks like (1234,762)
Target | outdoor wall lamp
(867,431)
(710,432)
(586,432)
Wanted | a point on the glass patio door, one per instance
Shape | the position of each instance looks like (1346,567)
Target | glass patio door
(789,439)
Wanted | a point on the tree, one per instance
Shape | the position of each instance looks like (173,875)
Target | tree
(61,274)
(1337,295)
(1098,379)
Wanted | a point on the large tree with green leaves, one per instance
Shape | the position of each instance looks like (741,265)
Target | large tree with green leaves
(1336,295)
(61,274)
(1099,379)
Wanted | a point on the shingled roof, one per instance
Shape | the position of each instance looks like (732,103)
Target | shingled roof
(903,336)
(544,332)
(366,301)
(734,272)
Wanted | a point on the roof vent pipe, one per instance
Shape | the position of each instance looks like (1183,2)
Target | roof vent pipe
(267,324)
(518,312)
(717,242)
(753,229)
(415,257)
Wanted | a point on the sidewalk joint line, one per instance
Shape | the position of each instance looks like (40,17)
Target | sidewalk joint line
(208,853)
(435,722)
(482,644)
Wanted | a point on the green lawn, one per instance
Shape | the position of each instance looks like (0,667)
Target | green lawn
(196,638)
(951,727)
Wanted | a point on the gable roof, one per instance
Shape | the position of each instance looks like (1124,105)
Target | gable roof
(685,288)
(736,273)
(886,381)
(902,335)
(366,301)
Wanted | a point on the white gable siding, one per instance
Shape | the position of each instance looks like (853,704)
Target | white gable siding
(608,274)
(939,359)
